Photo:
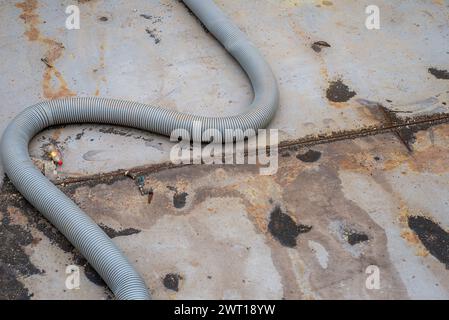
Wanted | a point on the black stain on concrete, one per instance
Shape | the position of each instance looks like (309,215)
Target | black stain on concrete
(14,262)
(339,92)
(318,45)
(112,233)
(10,287)
(309,156)
(153,34)
(80,135)
(432,236)
(171,281)
(407,134)
(439,73)
(354,237)
(283,228)
(123,132)
(179,198)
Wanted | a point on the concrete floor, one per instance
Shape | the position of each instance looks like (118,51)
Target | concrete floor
(374,193)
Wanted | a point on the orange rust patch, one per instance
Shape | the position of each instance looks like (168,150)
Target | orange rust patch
(50,91)
(17,217)
(30,18)
(413,239)
(54,52)
(410,236)
(433,159)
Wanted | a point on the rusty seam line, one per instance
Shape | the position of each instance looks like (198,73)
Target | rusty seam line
(304,142)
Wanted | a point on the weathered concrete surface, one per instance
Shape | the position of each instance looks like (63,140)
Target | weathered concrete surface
(307,232)
(166,58)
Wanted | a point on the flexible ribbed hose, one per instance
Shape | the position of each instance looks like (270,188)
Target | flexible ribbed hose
(62,212)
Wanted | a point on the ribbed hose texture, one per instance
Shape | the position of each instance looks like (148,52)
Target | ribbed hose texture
(63,213)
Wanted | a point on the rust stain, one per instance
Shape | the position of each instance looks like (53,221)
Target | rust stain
(101,66)
(410,236)
(53,85)
(428,157)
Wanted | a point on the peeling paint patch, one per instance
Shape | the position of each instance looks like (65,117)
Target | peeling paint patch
(432,236)
(284,228)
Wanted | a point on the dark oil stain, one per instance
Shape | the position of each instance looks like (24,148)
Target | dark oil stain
(103,19)
(14,262)
(16,237)
(9,197)
(318,45)
(339,92)
(285,154)
(79,135)
(309,156)
(284,228)
(10,287)
(432,236)
(171,281)
(154,19)
(354,237)
(179,198)
(124,133)
(118,233)
(439,73)
(153,34)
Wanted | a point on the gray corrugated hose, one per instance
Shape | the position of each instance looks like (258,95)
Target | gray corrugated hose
(64,214)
